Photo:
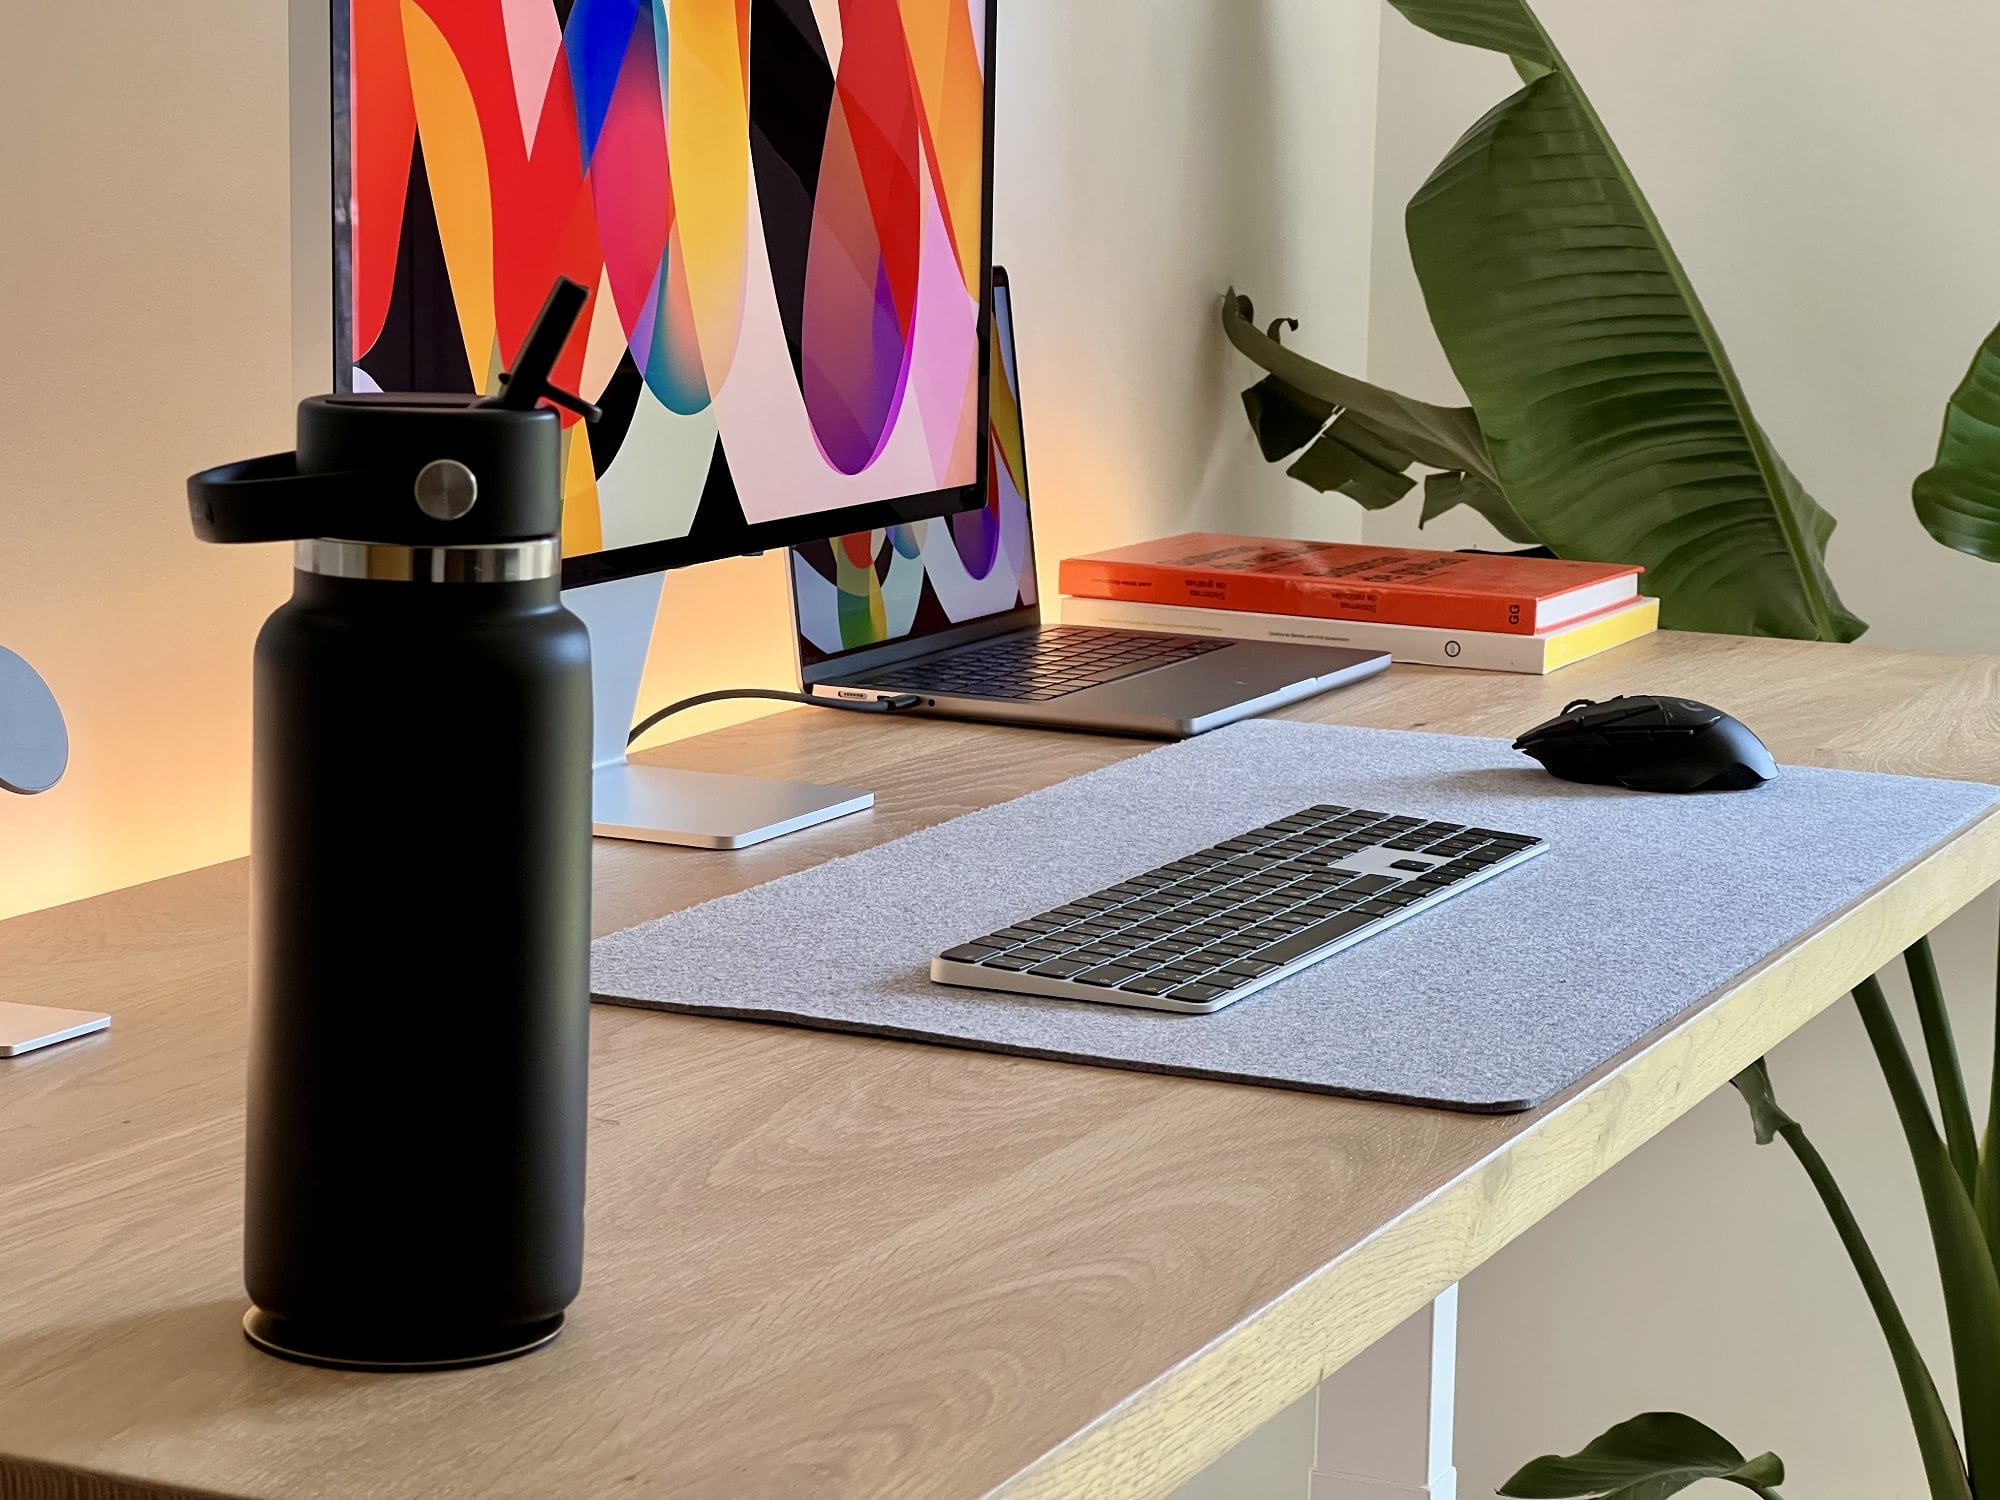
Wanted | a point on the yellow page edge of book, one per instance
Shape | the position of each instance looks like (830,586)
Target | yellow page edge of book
(1557,649)
(1579,642)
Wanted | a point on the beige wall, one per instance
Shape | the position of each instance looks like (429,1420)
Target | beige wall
(143,294)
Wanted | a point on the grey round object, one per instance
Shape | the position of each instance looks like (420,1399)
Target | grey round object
(34,741)
(446,489)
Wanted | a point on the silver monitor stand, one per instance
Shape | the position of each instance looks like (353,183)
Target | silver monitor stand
(653,803)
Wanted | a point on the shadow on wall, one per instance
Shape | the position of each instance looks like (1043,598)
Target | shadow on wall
(1150,152)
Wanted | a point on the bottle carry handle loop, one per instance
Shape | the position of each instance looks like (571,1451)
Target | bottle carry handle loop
(267,499)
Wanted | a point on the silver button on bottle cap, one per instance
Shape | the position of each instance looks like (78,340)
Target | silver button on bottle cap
(446,489)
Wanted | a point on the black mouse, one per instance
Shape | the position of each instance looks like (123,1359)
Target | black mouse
(1650,744)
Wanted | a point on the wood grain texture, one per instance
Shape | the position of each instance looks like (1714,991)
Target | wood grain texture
(838,1266)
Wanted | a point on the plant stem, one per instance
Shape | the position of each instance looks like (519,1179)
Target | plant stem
(1897,1070)
(1986,1192)
(1947,1076)
(1965,1264)
(1944,1468)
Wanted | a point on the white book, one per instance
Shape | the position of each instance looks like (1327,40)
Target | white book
(1426,645)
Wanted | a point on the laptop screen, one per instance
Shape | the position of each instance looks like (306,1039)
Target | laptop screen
(908,583)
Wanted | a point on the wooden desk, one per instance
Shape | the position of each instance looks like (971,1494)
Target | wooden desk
(826,1265)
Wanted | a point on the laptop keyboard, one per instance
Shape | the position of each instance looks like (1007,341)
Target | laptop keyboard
(1034,666)
(1214,926)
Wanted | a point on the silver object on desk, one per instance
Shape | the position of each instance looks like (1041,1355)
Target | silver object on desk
(661,804)
(29,1028)
(706,810)
(34,753)
(1219,924)
(1167,687)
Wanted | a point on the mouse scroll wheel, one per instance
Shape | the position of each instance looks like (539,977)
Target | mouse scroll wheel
(1687,711)
(1575,703)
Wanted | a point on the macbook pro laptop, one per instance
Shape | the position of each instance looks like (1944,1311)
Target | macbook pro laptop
(948,610)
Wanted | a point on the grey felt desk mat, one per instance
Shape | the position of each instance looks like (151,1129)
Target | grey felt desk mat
(1494,1000)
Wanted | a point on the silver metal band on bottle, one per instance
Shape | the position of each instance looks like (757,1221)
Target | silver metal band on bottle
(498,562)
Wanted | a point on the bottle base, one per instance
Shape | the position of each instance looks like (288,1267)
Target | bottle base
(289,1340)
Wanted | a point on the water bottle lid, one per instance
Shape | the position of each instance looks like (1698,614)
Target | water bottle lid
(435,471)
(410,470)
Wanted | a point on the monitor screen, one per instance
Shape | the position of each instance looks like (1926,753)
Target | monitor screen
(928,578)
(781,208)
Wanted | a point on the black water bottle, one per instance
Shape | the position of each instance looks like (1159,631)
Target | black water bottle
(420,866)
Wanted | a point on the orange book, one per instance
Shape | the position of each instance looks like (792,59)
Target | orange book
(1353,581)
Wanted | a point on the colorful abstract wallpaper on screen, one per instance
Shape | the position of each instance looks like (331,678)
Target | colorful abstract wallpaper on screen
(777,204)
(899,581)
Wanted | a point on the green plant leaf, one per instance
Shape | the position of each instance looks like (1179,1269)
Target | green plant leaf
(1654,1455)
(1446,491)
(1958,499)
(1944,1468)
(1284,418)
(1617,427)
(1354,458)
(1965,1265)
(1492,26)
(1363,439)
(1444,437)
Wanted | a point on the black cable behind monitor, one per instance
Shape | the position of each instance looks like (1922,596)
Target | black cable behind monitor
(891,705)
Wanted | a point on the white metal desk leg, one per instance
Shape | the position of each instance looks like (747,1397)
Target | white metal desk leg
(1384,1418)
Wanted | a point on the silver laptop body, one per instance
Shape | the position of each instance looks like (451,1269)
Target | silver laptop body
(947,610)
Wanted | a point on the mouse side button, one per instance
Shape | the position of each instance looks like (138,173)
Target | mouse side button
(1615,711)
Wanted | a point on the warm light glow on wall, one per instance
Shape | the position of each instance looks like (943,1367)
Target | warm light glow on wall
(722,625)
(144,273)
(158,779)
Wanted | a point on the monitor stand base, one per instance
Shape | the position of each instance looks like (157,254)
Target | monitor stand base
(703,810)
(655,804)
